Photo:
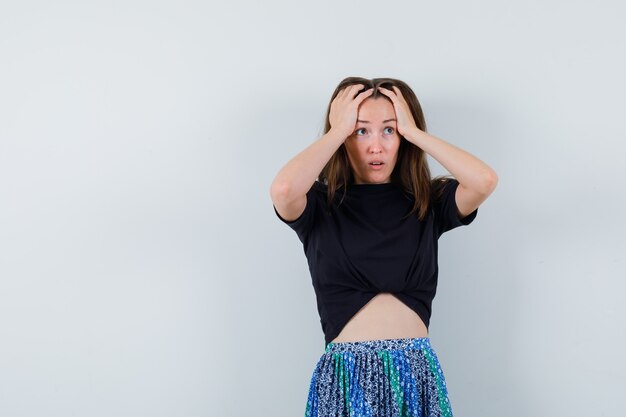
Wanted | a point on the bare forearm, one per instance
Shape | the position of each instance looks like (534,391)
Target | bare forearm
(465,167)
(297,176)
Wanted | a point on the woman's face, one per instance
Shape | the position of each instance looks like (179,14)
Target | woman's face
(374,140)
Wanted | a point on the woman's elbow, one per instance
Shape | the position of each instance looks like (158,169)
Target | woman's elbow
(490,182)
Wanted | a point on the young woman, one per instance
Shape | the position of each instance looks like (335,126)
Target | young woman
(362,202)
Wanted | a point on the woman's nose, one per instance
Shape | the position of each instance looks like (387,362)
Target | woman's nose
(376,143)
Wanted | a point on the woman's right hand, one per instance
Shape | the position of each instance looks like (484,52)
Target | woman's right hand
(344,109)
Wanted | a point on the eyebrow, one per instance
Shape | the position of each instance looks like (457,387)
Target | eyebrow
(384,121)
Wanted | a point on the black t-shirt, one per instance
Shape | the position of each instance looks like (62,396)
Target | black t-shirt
(364,246)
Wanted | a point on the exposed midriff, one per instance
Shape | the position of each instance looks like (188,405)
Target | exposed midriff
(383,317)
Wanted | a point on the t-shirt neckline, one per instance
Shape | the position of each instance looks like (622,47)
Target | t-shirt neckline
(370,188)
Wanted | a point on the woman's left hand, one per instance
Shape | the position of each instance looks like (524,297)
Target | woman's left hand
(405,122)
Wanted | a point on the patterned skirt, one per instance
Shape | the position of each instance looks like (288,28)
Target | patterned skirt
(378,378)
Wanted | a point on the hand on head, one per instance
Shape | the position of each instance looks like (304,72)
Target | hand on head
(405,121)
(345,107)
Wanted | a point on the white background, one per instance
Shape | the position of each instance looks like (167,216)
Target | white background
(143,271)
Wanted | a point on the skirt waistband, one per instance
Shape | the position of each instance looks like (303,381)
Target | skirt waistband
(379,344)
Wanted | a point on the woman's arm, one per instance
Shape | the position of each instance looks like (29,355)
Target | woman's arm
(477,180)
(289,188)
(294,180)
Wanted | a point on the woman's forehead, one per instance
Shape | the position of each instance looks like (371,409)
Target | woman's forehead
(376,111)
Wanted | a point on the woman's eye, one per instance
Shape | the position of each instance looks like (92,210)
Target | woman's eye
(357,131)
(391,130)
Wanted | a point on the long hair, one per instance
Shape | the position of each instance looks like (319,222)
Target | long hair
(411,171)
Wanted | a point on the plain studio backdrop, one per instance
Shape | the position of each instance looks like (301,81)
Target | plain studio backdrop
(143,271)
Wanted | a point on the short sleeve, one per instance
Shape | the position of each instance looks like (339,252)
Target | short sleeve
(303,224)
(446,211)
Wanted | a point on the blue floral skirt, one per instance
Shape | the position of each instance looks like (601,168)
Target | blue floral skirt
(378,378)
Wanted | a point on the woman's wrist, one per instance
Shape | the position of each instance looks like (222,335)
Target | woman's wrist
(339,134)
(414,136)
